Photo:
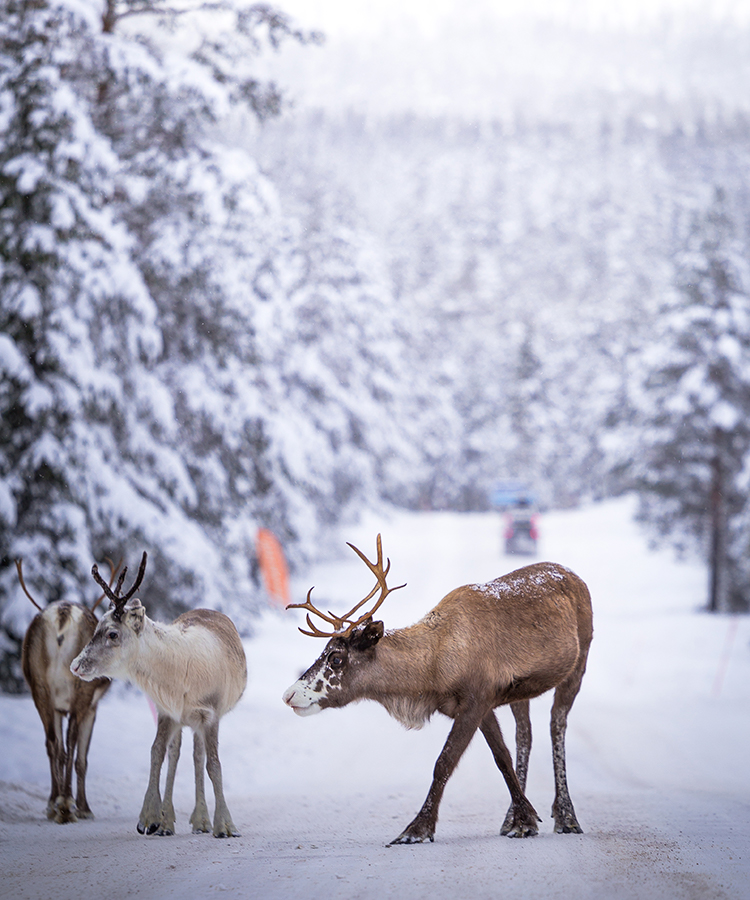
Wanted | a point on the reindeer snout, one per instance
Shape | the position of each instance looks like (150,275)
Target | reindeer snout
(298,697)
(78,669)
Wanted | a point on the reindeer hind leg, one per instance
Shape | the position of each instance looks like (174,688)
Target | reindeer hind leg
(56,809)
(166,821)
(200,818)
(522,818)
(520,710)
(223,824)
(563,812)
(85,730)
(65,810)
(54,751)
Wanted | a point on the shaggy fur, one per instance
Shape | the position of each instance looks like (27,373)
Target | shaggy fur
(195,672)
(55,636)
(482,646)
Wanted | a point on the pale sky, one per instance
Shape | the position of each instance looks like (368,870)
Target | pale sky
(358,17)
(484,57)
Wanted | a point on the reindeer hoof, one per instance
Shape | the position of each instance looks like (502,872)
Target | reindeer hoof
(67,819)
(566,821)
(147,829)
(520,828)
(520,823)
(224,827)
(568,826)
(201,823)
(414,836)
(64,812)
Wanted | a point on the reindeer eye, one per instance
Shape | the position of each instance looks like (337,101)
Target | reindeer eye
(112,635)
(336,660)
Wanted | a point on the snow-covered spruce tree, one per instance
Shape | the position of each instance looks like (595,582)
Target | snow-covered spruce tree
(277,341)
(77,326)
(347,371)
(143,407)
(692,434)
(228,417)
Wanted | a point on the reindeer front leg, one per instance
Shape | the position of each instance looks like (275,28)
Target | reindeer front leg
(422,828)
(150,818)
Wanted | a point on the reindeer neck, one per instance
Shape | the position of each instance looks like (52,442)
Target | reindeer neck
(156,633)
(401,677)
(155,654)
(403,657)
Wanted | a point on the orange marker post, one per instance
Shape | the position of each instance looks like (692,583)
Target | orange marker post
(273,567)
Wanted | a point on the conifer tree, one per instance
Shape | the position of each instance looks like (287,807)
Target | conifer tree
(77,325)
(182,362)
(693,402)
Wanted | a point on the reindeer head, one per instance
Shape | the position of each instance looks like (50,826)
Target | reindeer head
(333,679)
(106,652)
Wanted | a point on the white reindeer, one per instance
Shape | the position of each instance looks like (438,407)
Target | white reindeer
(195,672)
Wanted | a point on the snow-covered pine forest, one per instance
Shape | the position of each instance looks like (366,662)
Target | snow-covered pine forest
(227,306)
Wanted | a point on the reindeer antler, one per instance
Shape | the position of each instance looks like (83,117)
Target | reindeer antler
(19,564)
(339,622)
(114,569)
(114,596)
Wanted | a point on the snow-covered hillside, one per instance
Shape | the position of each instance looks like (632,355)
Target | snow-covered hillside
(657,753)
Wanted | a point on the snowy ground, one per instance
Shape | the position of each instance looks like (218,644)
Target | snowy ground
(657,754)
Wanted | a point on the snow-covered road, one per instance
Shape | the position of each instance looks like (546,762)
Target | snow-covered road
(657,753)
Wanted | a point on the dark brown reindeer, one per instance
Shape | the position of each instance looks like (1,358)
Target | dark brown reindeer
(55,636)
(481,647)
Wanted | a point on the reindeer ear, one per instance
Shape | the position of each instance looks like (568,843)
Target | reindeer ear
(367,635)
(136,613)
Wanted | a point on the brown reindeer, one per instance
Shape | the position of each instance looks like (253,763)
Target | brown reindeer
(55,636)
(195,672)
(482,646)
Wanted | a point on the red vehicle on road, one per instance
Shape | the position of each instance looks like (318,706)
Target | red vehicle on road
(521,531)
(518,503)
